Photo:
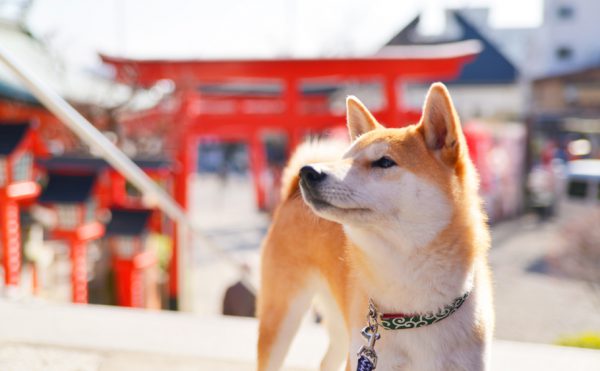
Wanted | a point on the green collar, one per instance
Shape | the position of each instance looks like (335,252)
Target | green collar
(400,321)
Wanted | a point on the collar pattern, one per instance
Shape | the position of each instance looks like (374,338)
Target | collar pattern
(399,321)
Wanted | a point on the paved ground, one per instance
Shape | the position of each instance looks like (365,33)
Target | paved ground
(233,223)
(530,306)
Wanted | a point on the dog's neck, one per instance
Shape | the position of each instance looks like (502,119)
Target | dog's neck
(402,276)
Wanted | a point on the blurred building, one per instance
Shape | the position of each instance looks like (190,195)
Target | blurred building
(572,93)
(565,109)
(488,86)
(567,40)
(565,86)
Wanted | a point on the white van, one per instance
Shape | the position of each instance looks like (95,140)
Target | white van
(582,186)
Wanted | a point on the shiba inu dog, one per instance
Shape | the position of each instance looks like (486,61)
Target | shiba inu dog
(394,220)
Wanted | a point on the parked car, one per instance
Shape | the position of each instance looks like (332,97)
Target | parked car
(582,186)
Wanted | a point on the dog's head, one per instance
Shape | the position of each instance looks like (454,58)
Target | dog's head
(409,180)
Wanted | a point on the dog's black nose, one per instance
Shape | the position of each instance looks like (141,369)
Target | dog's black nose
(311,175)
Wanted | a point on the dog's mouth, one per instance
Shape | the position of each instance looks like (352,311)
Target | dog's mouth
(319,204)
(316,201)
(312,197)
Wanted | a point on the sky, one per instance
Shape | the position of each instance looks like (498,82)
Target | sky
(78,29)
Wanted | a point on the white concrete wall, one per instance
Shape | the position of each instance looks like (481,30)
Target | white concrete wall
(41,336)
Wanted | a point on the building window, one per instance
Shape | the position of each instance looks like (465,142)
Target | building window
(565,12)
(564,53)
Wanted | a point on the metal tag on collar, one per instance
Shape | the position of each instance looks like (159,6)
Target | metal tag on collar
(367,357)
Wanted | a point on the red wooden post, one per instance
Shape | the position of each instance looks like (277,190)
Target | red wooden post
(11,240)
(137,287)
(129,274)
(186,158)
(78,271)
(391,92)
(123,269)
(10,228)
(258,166)
(130,283)
(295,137)
(292,100)
(130,291)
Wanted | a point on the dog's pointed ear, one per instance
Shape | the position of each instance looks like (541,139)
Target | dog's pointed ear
(440,124)
(358,117)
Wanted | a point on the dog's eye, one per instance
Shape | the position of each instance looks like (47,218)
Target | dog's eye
(384,163)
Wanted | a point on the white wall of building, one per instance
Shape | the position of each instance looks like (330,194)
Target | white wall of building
(572,26)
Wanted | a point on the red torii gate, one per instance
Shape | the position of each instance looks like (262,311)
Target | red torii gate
(420,63)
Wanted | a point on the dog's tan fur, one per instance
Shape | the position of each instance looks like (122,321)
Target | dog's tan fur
(412,238)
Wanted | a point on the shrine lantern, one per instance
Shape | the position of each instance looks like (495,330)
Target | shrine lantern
(127,232)
(16,185)
(71,197)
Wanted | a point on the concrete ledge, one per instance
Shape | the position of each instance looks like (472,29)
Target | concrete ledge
(141,338)
(100,338)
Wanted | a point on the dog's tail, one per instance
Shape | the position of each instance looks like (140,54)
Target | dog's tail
(309,152)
